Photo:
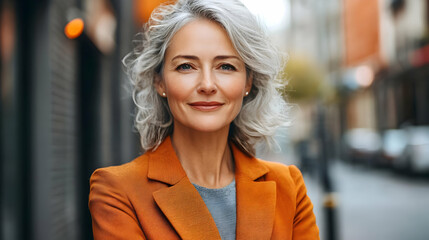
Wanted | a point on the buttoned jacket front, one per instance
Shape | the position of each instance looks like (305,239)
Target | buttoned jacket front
(152,198)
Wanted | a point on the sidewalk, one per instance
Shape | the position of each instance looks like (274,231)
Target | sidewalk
(374,204)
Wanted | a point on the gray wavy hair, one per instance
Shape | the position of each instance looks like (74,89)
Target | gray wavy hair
(263,110)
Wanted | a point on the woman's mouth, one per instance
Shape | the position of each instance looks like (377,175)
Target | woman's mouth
(206,106)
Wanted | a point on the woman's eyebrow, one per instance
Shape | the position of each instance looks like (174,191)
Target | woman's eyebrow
(221,57)
(192,57)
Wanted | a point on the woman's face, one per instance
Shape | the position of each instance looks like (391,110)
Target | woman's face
(204,78)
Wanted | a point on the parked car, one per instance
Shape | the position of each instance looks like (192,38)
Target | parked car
(363,145)
(393,146)
(415,157)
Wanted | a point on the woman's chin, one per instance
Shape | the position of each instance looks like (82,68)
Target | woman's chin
(208,126)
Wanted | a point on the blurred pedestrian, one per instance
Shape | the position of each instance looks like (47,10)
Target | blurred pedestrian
(204,81)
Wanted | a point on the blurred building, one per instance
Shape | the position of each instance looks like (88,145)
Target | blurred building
(65,110)
(386,89)
(402,89)
(357,70)
(373,53)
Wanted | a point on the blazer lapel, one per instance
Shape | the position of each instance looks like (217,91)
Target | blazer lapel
(256,200)
(180,202)
(186,211)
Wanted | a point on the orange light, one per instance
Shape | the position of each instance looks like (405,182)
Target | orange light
(143,9)
(74,28)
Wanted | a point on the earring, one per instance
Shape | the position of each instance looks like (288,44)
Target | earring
(163,94)
(247,93)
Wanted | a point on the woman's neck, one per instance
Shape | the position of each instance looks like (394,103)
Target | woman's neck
(205,156)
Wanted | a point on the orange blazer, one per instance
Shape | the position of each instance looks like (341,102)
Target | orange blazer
(152,198)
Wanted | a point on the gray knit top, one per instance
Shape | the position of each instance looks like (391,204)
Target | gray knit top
(221,203)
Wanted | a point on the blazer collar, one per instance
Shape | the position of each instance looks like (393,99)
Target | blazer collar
(164,166)
(186,210)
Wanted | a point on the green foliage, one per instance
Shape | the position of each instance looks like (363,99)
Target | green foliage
(305,80)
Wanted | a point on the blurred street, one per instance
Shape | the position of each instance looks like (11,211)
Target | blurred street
(375,204)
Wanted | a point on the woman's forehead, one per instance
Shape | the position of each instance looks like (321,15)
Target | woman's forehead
(201,36)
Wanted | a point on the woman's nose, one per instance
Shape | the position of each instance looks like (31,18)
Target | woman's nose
(207,83)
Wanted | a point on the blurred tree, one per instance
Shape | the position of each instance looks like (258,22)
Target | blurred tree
(305,81)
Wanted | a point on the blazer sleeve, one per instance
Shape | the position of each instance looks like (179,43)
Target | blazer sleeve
(304,224)
(112,214)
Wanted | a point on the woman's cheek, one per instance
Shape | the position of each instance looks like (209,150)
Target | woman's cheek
(180,86)
(233,87)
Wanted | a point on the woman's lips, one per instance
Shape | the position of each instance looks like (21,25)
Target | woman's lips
(206,106)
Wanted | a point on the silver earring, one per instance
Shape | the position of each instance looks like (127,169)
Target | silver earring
(247,93)
(163,94)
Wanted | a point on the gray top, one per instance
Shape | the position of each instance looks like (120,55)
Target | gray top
(221,203)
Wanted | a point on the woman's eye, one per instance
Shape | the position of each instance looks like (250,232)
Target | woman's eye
(227,67)
(184,66)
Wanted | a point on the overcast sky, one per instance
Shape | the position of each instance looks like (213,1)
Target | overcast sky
(275,13)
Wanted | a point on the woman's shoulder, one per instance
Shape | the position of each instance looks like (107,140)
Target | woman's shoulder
(282,173)
(122,173)
(280,168)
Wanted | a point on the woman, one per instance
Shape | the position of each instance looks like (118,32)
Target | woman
(205,90)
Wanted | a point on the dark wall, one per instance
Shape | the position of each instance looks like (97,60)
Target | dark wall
(65,111)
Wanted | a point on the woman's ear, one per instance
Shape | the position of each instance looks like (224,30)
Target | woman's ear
(159,85)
